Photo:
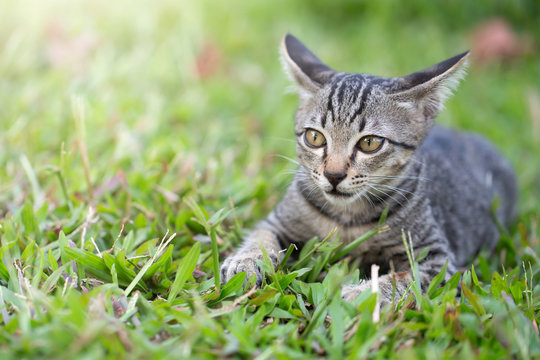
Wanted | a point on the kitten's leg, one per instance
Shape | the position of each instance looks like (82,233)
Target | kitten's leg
(283,226)
(427,270)
(244,260)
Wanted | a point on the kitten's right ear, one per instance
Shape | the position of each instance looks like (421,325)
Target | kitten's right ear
(309,73)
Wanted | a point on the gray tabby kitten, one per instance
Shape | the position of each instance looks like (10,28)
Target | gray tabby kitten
(365,143)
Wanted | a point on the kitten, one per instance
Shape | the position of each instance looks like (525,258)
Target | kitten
(365,143)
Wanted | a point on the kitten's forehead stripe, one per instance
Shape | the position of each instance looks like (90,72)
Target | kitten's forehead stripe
(337,98)
(349,91)
(359,87)
(362,125)
(366,90)
(330,105)
(350,85)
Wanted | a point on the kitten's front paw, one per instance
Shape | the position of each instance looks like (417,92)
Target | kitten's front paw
(244,262)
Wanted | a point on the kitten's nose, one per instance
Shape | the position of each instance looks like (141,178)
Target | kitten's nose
(334,178)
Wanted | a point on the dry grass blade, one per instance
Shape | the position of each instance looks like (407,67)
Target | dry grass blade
(162,246)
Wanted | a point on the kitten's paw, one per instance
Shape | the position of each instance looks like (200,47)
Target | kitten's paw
(351,292)
(244,262)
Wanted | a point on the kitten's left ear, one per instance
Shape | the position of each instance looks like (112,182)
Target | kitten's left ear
(430,87)
(309,73)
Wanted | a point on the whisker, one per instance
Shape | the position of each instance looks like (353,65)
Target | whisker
(399,177)
(360,195)
(287,158)
(416,161)
(311,190)
(310,187)
(287,172)
(386,194)
(282,139)
(373,194)
(397,190)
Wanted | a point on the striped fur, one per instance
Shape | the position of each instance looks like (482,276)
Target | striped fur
(434,180)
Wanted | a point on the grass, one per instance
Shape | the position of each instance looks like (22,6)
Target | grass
(140,142)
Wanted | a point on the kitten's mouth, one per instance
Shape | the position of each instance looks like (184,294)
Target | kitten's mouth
(337,193)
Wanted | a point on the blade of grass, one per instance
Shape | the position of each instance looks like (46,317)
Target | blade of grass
(271,267)
(149,262)
(93,263)
(4,273)
(307,256)
(283,260)
(52,261)
(39,271)
(39,197)
(337,327)
(215,260)
(437,280)
(476,282)
(414,268)
(210,227)
(473,299)
(345,249)
(341,252)
(189,262)
(52,280)
(334,280)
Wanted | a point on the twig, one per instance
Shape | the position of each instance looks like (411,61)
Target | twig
(375,290)
(234,304)
(95,246)
(122,224)
(87,222)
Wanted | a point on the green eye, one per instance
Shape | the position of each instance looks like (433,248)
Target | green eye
(314,139)
(370,144)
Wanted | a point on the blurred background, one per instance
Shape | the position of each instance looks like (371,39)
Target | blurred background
(168,98)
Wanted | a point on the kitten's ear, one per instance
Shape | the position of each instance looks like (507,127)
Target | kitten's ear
(430,87)
(309,73)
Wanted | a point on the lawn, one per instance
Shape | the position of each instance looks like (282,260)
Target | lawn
(141,140)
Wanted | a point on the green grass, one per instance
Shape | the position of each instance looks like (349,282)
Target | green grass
(141,141)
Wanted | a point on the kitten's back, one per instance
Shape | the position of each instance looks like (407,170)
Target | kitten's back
(466,173)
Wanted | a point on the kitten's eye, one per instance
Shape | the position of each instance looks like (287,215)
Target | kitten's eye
(370,144)
(314,139)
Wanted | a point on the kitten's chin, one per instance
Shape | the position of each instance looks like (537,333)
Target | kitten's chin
(339,198)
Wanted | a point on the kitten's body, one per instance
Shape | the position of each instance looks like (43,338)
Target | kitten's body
(439,184)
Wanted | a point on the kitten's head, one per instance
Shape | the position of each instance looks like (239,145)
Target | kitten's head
(356,132)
